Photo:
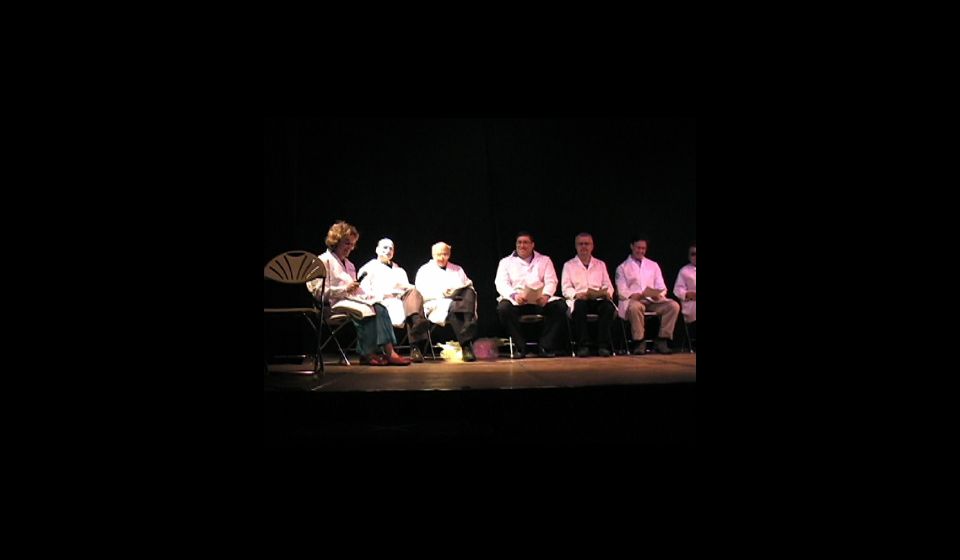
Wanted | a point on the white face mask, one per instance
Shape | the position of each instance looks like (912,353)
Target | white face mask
(385,250)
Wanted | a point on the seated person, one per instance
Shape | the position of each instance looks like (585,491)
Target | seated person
(586,285)
(449,297)
(685,289)
(388,282)
(640,287)
(526,282)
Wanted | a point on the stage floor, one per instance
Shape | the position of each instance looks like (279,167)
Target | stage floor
(500,374)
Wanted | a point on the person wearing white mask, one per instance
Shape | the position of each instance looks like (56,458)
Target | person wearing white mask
(640,287)
(388,283)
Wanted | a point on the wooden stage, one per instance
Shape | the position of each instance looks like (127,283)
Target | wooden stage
(647,401)
(500,374)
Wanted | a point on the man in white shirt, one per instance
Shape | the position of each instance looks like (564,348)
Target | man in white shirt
(449,297)
(388,283)
(640,287)
(586,285)
(526,282)
(686,289)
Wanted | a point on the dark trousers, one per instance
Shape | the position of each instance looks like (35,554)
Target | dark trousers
(554,317)
(416,321)
(462,316)
(604,309)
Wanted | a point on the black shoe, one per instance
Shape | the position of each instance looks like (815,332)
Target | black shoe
(640,349)
(547,353)
(419,326)
(583,352)
(468,355)
(519,355)
(662,346)
(416,356)
(603,352)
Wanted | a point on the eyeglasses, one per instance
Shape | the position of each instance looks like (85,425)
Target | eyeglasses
(693,254)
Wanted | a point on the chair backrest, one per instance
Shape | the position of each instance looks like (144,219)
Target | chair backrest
(294,267)
(285,278)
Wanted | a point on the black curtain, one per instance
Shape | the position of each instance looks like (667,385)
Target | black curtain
(475,182)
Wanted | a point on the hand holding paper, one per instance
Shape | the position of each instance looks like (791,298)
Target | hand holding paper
(532,294)
(450,291)
(652,293)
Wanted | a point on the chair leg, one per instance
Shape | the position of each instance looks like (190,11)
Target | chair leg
(318,357)
(343,355)
(430,341)
(623,331)
(333,337)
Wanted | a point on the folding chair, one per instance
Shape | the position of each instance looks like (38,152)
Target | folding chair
(296,268)
(530,319)
(647,315)
(591,318)
(335,321)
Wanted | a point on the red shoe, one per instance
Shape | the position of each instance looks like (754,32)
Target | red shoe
(398,361)
(373,360)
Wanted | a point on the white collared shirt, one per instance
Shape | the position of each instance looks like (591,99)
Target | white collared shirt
(687,282)
(432,281)
(383,281)
(385,284)
(633,277)
(339,276)
(577,278)
(515,274)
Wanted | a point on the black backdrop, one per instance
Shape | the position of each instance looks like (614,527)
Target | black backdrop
(475,182)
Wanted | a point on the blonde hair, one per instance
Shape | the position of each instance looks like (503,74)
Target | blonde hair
(338,231)
(439,245)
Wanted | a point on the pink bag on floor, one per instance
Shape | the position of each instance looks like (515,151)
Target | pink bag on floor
(485,348)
